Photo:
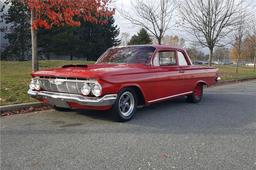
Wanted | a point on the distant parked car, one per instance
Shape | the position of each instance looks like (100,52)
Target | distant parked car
(250,64)
(198,62)
(218,63)
(227,63)
(122,79)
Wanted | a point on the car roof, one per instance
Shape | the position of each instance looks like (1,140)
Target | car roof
(158,47)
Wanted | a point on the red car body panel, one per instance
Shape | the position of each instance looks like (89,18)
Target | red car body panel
(155,82)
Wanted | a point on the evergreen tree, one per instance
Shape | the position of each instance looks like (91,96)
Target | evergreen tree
(95,38)
(18,30)
(141,38)
(59,41)
(88,41)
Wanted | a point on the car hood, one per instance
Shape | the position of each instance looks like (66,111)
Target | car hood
(92,71)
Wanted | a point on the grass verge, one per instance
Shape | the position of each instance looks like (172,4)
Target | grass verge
(228,72)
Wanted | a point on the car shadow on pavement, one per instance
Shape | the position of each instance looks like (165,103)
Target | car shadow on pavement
(96,114)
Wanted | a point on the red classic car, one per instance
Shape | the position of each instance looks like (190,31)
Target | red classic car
(122,79)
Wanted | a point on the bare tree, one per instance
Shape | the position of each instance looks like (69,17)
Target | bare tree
(254,42)
(173,40)
(239,34)
(221,54)
(153,15)
(209,20)
(252,37)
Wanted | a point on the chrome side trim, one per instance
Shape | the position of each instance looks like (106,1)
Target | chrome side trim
(169,97)
(54,97)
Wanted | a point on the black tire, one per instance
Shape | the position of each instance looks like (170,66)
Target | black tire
(197,95)
(118,111)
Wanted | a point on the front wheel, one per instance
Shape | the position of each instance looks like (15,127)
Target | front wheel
(125,106)
(197,95)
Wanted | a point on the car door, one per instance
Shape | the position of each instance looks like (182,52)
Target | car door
(167,74)
(187,75)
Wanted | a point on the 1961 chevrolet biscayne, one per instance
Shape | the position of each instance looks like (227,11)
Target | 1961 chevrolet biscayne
(122,79)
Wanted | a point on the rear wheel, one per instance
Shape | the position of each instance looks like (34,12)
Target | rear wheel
(197,95)
(125,106)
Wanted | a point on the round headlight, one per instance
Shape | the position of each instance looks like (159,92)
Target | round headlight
(96,90)
(86,89)
(37,85)
(32,84)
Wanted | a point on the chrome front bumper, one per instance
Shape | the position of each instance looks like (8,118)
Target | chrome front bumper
(62,99)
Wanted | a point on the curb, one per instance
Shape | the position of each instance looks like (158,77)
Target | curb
(15,107)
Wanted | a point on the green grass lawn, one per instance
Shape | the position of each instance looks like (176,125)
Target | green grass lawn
(228,72)
(15,77)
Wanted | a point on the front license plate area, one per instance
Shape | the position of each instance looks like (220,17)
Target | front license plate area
(58,103)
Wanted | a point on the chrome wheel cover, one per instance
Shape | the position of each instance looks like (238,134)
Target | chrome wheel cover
(126,103)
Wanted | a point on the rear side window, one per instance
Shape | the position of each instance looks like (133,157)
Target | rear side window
(182,59)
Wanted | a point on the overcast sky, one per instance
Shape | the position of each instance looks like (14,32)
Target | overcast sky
(125,26)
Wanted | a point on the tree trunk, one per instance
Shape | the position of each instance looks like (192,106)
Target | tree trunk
(22,50)
(23,54)
(237,63)
(71,56)
(254,66)
(34,44)
(47,56)
(159,40)
(210,57)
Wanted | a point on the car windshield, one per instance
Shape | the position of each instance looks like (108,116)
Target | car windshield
(127,55)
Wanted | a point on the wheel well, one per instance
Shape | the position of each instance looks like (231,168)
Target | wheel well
(202,83)
(141,99)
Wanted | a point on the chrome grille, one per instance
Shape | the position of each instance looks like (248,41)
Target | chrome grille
(63,85)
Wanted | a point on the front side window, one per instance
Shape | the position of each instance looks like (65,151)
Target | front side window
(127,55)
(165,58)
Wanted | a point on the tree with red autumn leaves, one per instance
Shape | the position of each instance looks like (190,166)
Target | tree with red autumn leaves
(48,13)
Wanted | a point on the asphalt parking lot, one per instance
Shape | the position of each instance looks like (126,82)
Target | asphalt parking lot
(218,133)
